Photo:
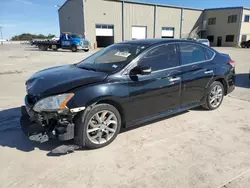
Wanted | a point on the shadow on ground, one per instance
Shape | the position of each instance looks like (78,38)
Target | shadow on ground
(242,80)
(12,136)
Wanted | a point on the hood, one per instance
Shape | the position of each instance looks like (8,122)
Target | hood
(61,79)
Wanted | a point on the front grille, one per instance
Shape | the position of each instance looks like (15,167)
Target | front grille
(32,99)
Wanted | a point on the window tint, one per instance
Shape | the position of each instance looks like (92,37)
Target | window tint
(161,57)
(229,38)
(247,18)
(191,53)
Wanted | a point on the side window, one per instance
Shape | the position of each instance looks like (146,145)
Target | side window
(161,57)
(191,53)
(209,54)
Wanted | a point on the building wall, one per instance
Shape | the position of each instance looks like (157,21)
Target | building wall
(222,27)
(71,17)
(102,12)
(164,18)
(74,16)
(245,26)
(138,15)
(192,19)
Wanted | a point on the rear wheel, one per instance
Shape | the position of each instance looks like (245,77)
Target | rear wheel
(214,96)
(44,47)
(99,126)
(86,50)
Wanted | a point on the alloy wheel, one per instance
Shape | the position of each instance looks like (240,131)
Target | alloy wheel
(216,96)
(102,127)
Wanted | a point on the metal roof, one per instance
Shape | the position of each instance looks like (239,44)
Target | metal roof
(165,5)
(161,5)
(224,8)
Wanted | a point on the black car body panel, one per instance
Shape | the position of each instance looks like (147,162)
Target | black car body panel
(61,79)
(137,97)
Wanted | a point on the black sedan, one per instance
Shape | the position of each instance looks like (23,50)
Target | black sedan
(123,85)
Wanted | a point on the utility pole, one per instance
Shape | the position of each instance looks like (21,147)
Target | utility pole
(1,35)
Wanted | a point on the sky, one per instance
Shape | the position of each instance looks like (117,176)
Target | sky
(41,16)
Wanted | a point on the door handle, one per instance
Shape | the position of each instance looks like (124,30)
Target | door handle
(209,72)
(174,79)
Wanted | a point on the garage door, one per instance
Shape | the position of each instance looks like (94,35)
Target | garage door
(104,30)
(104,35)
(167,32)
(139,32)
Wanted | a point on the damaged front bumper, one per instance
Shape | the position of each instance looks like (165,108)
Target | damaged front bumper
(43,126)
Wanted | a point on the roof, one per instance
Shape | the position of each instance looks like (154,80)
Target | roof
(150,42)
(165,5)
(224,8)
(66,1)
(154,4)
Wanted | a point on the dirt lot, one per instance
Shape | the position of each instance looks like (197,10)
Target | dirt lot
(194,149)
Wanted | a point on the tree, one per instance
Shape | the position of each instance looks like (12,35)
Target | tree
(28,36)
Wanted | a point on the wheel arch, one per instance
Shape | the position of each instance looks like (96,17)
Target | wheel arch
(117,105)
(223,82)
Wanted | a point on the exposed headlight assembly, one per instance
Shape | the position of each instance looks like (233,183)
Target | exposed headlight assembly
(53,103)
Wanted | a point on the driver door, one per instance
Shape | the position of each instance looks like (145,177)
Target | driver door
(66,41)
(159,91)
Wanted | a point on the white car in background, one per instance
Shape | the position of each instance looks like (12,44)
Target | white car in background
(204,41)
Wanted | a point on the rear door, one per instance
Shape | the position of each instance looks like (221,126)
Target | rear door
(197,69)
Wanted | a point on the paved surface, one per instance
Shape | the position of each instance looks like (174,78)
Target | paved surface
(195,149)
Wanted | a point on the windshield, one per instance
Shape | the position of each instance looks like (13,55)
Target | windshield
(75,36)
(112,58)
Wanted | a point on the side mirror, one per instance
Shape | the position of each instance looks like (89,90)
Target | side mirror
(142,70)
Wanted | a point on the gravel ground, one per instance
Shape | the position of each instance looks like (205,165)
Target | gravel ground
(194,149)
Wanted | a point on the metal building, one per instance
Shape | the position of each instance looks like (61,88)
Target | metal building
(227,26)
(104,22)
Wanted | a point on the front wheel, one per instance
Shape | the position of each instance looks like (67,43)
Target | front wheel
(74,48)
(86,50)
(99,126)
(214,96)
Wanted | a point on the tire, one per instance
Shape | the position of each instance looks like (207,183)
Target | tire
(74,48)
(86,50)
(211,105)
(44,47)
(83,126)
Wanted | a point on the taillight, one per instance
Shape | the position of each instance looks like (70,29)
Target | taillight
(232,63)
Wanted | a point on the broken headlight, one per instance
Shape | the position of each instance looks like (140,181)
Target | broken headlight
(53,103)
